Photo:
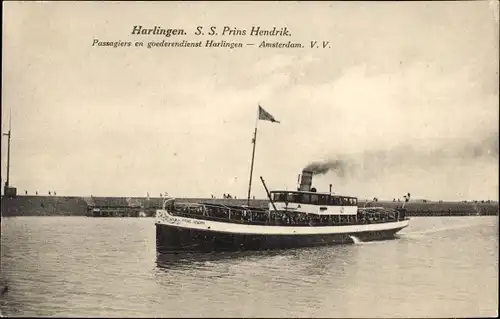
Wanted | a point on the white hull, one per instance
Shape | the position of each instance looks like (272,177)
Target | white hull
(163,217)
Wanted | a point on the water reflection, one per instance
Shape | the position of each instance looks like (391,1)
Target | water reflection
(324,257)
(311,263)
(190,260)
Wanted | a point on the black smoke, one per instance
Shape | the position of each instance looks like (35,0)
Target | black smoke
(375,162)
(319,168)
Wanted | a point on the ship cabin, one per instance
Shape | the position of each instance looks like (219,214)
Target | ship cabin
(311,202)
(307,200)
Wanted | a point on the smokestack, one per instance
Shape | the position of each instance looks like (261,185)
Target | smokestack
(330,188)
(306,181)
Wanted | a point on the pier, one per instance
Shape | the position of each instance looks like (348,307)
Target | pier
(124,211)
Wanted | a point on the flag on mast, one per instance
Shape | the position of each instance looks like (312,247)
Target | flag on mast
(264,115)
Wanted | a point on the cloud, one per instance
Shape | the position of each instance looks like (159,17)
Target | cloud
(423,84)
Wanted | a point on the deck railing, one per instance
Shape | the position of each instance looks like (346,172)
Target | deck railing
(258,216)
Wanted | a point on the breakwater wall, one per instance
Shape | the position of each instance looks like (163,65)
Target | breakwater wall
(420,208)
(26,205)
(79,206)
(43,206)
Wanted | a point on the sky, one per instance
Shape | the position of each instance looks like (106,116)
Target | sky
(405,96)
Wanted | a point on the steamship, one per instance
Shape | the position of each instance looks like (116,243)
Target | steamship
(293,219)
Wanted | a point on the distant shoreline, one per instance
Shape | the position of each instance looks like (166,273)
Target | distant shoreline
(43,205)
(361,200)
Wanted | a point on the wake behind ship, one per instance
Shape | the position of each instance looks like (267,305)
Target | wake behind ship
(302,218)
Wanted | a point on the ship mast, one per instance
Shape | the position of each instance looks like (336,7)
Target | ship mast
(8,134)
(261,115)
(254,141)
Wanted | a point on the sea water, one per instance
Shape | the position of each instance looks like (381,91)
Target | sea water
(78,266)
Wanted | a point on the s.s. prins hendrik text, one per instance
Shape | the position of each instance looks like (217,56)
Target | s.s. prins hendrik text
(199,36)
(212,31)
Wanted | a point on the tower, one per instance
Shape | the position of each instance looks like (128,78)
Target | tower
(7,190)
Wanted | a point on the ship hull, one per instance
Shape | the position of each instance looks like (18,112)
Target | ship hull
(175,239)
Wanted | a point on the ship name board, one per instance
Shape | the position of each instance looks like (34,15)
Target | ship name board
(178,221)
